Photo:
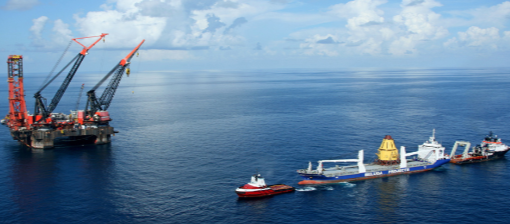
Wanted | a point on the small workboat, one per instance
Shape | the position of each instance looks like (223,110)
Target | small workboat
(258,188)
(491,148)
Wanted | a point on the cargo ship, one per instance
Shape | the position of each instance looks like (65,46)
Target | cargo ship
(491,148)
(258,188)
(430,155)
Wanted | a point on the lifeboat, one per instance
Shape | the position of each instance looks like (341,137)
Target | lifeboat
(257,188)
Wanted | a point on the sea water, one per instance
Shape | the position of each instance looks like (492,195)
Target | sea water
(187,140)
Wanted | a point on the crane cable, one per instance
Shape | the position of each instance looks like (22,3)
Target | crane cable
(102,56)
(58,62)
(79,97)
(138,70)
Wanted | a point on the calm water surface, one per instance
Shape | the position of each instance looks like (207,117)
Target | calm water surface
(188,139)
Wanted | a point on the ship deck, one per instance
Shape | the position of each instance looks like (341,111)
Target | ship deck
(349,170)
(278,187)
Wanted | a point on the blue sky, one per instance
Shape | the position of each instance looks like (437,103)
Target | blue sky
(260,34)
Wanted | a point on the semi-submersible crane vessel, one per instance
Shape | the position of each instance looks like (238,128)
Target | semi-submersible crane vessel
(40,129)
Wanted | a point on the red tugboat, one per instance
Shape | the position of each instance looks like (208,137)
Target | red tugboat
(258,188)
(491,148)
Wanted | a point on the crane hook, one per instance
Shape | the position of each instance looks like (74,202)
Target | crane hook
(137,53)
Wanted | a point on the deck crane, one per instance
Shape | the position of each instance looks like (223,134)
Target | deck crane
(93,103)
(42,112)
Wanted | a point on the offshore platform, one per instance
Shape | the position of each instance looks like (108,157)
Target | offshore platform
(40,129)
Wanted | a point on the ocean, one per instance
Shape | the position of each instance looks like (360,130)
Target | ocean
(187,140)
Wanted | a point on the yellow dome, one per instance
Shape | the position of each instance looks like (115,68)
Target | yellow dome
(388,151)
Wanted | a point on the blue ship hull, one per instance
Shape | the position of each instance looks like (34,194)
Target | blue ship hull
(322,179)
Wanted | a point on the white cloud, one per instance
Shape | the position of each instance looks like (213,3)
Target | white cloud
(357,27)
(415,29)
(156,8)
(321,45)
(304,19)
(173,23)
(228,11)
(38,26)
(496,16)
(451,43)
(36,30)
(60,35)
(493,16)
(477,37)
(364,24)
(419,23)
(124,28)
(359,12)
(127,5)
(61,32)
(20,5)
(365,30)
(210,25)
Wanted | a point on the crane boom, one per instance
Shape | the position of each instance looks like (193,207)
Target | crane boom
(94,104)
(45,111)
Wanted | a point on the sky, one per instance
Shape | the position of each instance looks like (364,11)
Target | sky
(259,34)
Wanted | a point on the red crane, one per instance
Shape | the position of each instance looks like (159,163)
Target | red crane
(15,119)
(42,112)
(93,103)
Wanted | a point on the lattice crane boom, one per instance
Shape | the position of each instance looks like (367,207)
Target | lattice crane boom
(40,107)
(15,119)
(102,104)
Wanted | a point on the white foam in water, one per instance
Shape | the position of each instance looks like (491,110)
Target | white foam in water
(329,188)
(306,189)
(347,184)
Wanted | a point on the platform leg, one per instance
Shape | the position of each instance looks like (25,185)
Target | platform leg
(44,143)
(103,139)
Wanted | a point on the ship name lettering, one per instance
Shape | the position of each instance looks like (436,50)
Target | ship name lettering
(373,174)
(399,170)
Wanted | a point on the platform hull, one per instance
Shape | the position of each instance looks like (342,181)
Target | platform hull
(44,139)
(375,171)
